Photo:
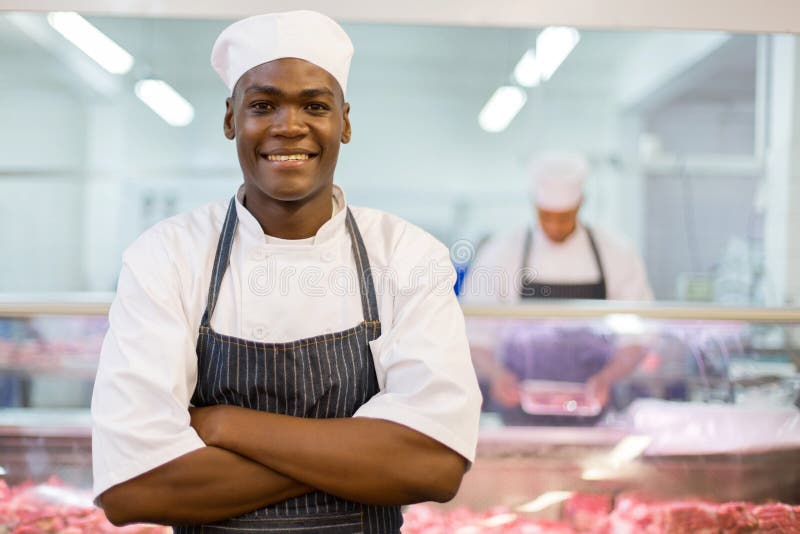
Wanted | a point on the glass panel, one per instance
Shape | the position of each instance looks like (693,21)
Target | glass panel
(696,435)
(674,125)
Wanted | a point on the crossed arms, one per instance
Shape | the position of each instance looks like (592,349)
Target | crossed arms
(253,459)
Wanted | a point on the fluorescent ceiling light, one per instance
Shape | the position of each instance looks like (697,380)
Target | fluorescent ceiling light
(629,448)
(544,500)
(598,473)
(62,495)
(527,72)
(625,323)
(501,108)
(165,101)
(499,520)
(618,463)
(553,46)
(91,41)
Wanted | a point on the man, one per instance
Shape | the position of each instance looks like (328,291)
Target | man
(322,399)
(561,258)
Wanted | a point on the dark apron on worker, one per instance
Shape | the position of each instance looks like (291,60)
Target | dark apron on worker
(529,289)
(325,376)
(569,356)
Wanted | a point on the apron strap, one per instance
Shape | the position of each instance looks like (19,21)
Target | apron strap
(596,253)
(369,302)
(526,249)
(221,260)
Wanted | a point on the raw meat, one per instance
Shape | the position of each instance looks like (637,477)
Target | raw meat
(777,518)
(54,507)
(424,519)
(737,518)
(632,513)
(588,512)
(637,514)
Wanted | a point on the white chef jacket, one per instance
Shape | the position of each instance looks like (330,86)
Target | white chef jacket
(276,291)
(493,275)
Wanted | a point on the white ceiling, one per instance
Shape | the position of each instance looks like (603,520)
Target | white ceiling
(724,15)
(457,64)
(449,58)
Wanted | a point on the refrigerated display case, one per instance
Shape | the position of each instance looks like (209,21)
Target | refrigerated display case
(49,349)
(703,435)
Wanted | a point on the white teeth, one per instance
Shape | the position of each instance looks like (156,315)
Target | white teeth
(287,157)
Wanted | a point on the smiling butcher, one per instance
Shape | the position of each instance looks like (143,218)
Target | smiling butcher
(276,362)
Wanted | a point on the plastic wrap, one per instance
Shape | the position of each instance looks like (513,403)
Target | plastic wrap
(686,428)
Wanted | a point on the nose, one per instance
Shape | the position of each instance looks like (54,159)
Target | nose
(288,123)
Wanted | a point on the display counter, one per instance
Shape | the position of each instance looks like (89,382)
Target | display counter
(49,350)
(701,432)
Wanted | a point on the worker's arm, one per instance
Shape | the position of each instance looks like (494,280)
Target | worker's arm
(359,459)
(621,364)
(208,484)
(503,384)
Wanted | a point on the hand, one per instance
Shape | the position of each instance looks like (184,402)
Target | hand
(598,389)
(207,421)
(505,389)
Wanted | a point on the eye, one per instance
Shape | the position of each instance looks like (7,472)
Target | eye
(261,106)
(317,107)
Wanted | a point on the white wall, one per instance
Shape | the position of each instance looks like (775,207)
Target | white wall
(141,170)
(692,216)
(43,127)
(41,153)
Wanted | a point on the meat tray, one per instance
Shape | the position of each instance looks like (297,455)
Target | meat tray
(548,397)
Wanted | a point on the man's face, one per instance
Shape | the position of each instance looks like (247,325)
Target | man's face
(558,225)
(288,117)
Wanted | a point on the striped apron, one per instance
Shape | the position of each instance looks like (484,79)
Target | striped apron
(534,290)
(325,376)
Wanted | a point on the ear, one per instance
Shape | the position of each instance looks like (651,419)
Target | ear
(228,125)
(346,131)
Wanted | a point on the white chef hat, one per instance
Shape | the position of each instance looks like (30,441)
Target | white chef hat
(557,180)
(306,35)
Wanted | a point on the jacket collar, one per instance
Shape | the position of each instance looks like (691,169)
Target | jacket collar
(251,229)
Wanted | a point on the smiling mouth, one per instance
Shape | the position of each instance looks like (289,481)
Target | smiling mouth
(289,157)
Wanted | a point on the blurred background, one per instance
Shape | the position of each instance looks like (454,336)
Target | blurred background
(691,137)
